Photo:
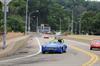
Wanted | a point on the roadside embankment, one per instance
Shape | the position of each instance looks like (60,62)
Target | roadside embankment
(13,45)
(83,38)
(12,35)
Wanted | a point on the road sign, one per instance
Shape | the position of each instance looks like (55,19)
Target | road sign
(5,1)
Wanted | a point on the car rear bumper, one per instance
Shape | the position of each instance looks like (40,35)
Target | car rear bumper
(51,50)
(46,37)
(95,46)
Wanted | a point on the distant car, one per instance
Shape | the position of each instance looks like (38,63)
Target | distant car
(54,46)
(95,44)
(46,36)
(58,34)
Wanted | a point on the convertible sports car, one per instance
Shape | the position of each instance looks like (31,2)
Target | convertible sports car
(54,46)
(95,44)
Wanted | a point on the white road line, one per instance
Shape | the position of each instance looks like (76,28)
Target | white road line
(25,56)
(80,43)
(39,45)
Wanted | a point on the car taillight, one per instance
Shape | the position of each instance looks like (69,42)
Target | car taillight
(97,43)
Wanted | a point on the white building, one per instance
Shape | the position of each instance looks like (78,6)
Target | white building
(44,28)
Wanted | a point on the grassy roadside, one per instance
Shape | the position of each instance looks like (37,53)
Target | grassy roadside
(11,49)
(83,38)
(12,35)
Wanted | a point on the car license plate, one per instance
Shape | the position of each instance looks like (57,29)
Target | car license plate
(51,48)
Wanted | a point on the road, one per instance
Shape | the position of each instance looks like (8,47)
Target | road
(78,54)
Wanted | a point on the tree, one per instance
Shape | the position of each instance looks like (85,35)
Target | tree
(51,11)
(87,21)
(17,7)
(15,23)
(96,24)
(57,12)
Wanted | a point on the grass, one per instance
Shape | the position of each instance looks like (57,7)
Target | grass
(12,35)
(83,38)
(11,49)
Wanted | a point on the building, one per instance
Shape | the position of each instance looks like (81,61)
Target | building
(44,28)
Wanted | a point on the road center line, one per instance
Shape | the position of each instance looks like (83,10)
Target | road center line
(94,57)
(25,56)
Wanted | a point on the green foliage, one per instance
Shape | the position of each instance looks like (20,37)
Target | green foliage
(57,12)
(87,21)
(15,23)
(17,7)
(91,22)
(1,25)
(96,24)
(51,11)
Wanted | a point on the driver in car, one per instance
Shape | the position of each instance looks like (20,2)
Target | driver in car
(59,39)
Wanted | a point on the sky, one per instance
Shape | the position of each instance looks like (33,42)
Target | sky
(95,0)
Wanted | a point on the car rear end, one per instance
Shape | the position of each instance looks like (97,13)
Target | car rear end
(52,48)
(95,44)
(46,36)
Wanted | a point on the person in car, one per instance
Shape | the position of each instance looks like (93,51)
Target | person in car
(60,40)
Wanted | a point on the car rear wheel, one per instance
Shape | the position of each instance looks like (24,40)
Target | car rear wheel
(43,52)
(64,51)
(91,48)
(61,51)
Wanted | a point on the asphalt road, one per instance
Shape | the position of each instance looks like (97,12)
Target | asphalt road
(78,54)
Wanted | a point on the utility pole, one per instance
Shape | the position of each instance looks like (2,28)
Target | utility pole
(80,26)
(5,24)
(72,24)
(60,24)
(5,10)
(26,18)
(29,24)
(37,25)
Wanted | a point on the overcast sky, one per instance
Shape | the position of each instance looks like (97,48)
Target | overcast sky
(95,0)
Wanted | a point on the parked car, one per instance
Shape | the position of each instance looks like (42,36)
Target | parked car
(95,44)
